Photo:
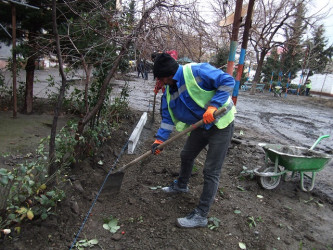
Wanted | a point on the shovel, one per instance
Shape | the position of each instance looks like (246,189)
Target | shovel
(114,181)
(154,103)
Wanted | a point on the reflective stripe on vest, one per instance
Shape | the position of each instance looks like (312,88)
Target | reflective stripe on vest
(202,98)
(180,126)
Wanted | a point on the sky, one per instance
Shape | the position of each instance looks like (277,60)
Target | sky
(322,6)
(326,6)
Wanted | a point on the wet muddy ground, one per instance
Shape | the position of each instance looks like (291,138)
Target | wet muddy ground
(289,120)
(283,218)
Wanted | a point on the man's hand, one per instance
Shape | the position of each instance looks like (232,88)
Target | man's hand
(154,149)
(208,116)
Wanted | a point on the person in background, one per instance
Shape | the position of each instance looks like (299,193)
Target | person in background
(194,92)
(308,87)
(145,69)
(140,69)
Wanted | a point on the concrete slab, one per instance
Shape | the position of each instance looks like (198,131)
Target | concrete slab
(133,140)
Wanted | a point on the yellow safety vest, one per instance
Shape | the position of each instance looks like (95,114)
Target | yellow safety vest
(202,98)
(308,85)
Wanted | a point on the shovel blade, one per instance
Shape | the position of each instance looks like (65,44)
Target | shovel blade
(113,183)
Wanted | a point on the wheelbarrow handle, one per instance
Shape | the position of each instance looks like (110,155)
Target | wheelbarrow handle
(318,140)
(167,142)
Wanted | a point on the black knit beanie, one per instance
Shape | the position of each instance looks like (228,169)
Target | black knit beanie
(165,66)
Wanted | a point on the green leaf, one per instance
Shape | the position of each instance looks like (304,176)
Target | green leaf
(212,227)
(4,180)
(112,225)
(43,216)
(114,228)
(237,211)
(215,221)
(51,193)
(241,245)
(93,242)
(82,243)
(44,200)
(11,216)
(3,171)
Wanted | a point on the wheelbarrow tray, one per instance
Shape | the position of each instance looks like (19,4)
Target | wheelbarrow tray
(295,158)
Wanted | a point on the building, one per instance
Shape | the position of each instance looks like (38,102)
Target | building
(5,54)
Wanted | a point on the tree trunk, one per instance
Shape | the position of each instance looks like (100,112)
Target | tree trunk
(57,109)
(30,71)
(256,78)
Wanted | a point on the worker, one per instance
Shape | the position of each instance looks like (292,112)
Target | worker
(194,92)
(140,69)
(159,85)
(308,87)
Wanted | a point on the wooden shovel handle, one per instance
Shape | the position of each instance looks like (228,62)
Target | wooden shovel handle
(167,142)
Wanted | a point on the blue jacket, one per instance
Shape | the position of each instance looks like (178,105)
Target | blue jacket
(184,107)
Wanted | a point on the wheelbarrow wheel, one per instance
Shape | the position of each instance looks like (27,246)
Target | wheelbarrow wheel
(269,182)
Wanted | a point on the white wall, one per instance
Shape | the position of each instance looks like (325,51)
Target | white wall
(5,51)
(320,83)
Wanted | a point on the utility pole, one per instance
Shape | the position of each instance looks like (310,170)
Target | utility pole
(248,23)
(234,37)
(14,68)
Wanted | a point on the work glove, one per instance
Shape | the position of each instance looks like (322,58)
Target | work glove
(154,149)
(208,116)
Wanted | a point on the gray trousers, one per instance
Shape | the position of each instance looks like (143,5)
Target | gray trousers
(218,141)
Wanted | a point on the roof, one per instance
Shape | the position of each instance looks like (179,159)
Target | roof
(184,60)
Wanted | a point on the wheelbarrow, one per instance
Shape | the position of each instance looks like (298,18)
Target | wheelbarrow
(292,159)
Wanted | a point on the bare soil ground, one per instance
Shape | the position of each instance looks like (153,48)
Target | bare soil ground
(282,218)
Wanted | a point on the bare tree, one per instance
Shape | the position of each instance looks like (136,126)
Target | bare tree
(57,109)
(181,28)
(104,23)
(271,20)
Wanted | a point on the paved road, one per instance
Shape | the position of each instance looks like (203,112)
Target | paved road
(42,81)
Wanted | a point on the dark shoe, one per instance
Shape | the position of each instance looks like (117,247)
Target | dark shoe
(175,188)
(192,220)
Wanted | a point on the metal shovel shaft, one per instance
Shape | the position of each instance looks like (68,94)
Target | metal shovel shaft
(172,139)
(115,179)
